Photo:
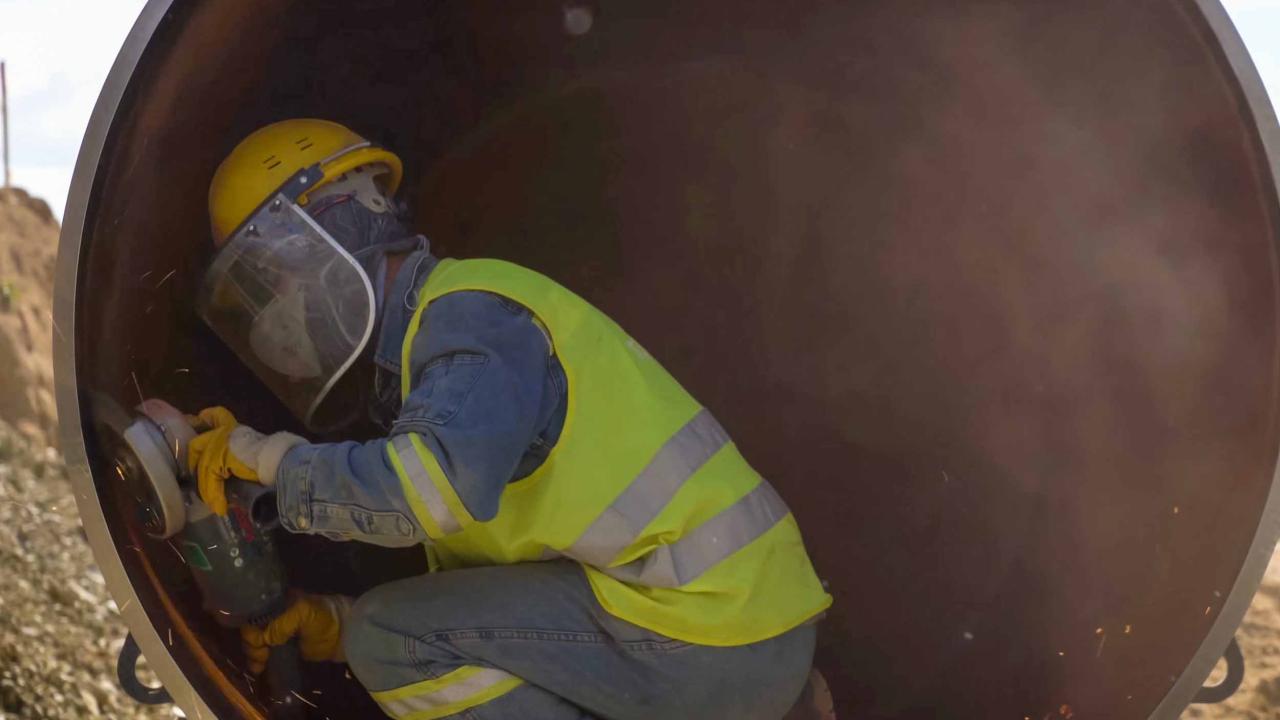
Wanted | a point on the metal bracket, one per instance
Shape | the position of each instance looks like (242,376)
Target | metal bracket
(1211,694)
(127,674)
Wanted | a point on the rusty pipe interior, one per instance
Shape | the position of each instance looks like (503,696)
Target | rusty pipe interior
(987,289)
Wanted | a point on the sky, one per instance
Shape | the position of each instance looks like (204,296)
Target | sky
(54,77)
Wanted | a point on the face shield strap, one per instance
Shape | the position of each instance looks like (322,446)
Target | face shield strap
(300,182)
(294,188)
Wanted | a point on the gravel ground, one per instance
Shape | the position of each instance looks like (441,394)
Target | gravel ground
(59,631)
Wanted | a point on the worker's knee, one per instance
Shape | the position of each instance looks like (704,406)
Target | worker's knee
(387,639)
(370,645)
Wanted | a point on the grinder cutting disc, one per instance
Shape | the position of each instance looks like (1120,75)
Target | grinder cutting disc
(145,450)
(151,464)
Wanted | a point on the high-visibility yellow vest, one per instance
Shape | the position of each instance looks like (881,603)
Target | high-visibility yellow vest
(676,531)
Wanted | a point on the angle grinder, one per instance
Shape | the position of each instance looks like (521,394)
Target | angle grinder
(233,559)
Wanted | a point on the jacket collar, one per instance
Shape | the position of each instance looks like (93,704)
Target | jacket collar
(401,303)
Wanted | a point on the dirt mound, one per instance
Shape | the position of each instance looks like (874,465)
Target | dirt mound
(59,630)
(28,250)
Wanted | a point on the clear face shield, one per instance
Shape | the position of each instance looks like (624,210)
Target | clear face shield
(293,305)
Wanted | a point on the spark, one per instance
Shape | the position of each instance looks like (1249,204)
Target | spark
(295,694)
(1207,609)
(170,637)
(55,326)
(1100,646)
(182,370)
(125,605)
(1176,510)
(138,386)
(143,276)
(1128,629)
(177,552)
(166,277)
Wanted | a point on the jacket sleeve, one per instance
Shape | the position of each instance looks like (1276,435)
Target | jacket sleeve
(478,370)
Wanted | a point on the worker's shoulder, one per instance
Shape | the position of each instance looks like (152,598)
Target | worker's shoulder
(475,301)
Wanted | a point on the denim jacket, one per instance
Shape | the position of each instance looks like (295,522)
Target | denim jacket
(488,398)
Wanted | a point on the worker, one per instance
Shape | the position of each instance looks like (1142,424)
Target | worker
(599,546)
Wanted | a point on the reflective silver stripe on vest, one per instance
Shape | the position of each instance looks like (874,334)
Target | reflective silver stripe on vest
(675,462)
(458,692)
(684,561)
(427,489)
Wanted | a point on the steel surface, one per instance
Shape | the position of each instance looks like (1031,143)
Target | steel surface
(988,290)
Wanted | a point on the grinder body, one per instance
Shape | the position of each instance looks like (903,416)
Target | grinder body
(233,559)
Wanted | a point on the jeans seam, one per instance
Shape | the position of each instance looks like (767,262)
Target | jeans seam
(514,634)
(420,666)
(330,517)
(304,491)
(547,636)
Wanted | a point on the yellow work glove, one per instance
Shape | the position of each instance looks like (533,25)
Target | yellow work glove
(228,448)
(316,620)
(210,458)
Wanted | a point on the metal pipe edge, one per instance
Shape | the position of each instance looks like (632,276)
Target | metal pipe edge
(70,420)
(1237,602)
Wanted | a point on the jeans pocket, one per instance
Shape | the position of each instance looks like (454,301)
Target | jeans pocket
(657,644)
(639,640)
(445,385)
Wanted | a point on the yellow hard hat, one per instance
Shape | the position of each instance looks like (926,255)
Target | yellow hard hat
(263,162)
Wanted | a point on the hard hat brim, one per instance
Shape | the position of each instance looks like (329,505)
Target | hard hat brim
(359,157)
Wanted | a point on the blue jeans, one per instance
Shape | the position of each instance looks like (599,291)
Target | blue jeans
(542,623)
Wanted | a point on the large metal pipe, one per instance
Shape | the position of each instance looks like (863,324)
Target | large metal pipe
(988,289)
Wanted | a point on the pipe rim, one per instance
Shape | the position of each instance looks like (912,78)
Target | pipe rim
(70,418)
(1240,597)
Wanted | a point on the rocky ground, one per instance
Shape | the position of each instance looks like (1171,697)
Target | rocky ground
(59,630)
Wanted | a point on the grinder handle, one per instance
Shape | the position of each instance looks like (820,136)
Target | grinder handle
(284,681)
